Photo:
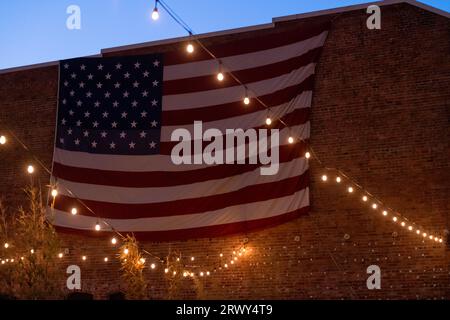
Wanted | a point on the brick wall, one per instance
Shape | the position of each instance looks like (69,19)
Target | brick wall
(380,113)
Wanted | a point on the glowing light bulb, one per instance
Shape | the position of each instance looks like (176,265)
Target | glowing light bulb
(338,179)
(192,258)
(350,189)
(2,139)
(113,240)
(374,206)
(32,251)
(418,231)
(431,237)
(155,14)
(385,213)
(30,169)
(246,100)
(190,48)
(436,239)
(141,260)
(394,219)
(424,234)
(153,266)
(324,178)
(201,274)
(221,255)
(166,270)
(440,240)
(84,258)
(6,245)
(291,140)
(60,255)
(268,121)
(410,228)
(97,227)
(364,198)
(307,155)
(226,265)
(220,76)
(185,274)
(54,193)
(74,211)
(174,273)
(208,273)
(125,251)
(232,262)
(403,224)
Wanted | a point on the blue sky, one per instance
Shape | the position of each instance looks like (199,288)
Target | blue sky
(35,31)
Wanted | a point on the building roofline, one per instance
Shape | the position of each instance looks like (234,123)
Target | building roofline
(244,29)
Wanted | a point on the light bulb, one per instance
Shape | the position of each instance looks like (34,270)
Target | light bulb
(220,76)
(440,240)
(291,140)
(6,245)
(424,234)
(410,228)
(32,251)
(403,224)
(106,259)
(60,255)
(125,251)
(190,48)
(364,198)
(338,179)
(192,258)
(54,193)
(350,189)
(74,211)
(431,237)
(226,265)
(97,227)
(113,240)
(246,100)
(174,273)
(221,255)
(166,270)
(201,274)
(2,139)
(155,14)
(394,219)
(153,266)
(268,121)
(385,213)
(30,169)
(232,262)
(307,155)
(141,260)
(207,272)
(436,239)
(84,258)
(374,206)
(185,274)
(418,231)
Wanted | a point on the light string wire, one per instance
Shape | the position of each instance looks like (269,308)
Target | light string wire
(314,155)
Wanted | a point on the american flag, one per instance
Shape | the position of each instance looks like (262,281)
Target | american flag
(113,138)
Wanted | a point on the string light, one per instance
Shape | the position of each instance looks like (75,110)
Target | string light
(394,219)
(246,100)
(155,13)
(32,251)
(185,274)
(220,76)
(374,206)
(54,193)
(221,255)
(385,213)
(60,255)
(403,224)
(350,189)
(192,258)
(6,245)
(190,48)
(125,251)
(424,234)
(106,259)
(30,169)
(113,240)
(201,274)
(208,273)
(84,258)
(291,140)
(338,179)
(97,227)
(307,155)
(418,231)
(268,121)
(2,139)
(364,198)
(74,211)
(153,266)
(174,273)
(141,260)
(166,270)
(324,177)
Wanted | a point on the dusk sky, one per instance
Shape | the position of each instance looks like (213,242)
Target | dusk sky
(35,31)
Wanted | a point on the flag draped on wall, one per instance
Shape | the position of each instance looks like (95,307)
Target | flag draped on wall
(113,138)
